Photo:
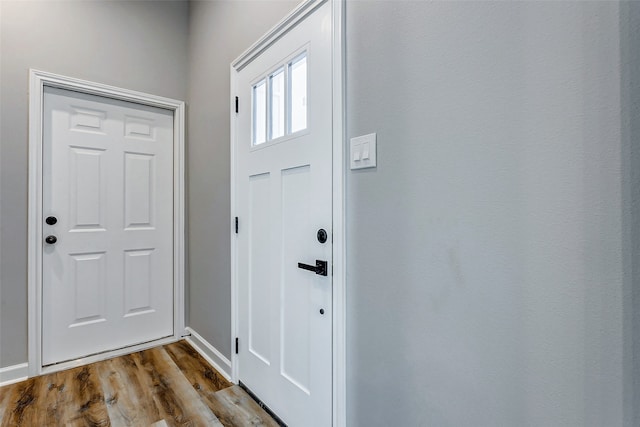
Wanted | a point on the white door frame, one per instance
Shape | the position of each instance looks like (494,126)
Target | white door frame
(37,82)
(339,237)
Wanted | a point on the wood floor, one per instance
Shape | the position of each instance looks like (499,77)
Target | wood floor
(165,386)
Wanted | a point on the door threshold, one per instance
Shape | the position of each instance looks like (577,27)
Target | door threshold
(98,357)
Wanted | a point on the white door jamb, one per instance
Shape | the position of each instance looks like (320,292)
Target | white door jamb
(339,208)
(37,81)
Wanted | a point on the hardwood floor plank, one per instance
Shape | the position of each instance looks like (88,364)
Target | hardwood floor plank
(51,404)
(31,403)
(197,370)
(21,397)
(205,380)
(66,406)
(236,408)
(5,393)
(172,392)
(87,403)
(128,402)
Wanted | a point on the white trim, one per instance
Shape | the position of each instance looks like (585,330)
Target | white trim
(210,353)
(233,266)
(296,16)
(37,81)
(339,234)
(14,374)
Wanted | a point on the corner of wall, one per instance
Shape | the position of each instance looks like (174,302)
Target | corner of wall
(210,353)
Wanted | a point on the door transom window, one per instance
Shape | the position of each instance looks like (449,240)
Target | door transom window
(279,101)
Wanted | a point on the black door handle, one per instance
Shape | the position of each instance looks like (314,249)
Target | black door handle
(320,268)
(51,239)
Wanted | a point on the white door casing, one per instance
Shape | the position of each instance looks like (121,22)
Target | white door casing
(118,227)
(107,179)
(283,194)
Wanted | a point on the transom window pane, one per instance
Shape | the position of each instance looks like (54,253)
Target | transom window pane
(277,99)
(298,73)
(260,113)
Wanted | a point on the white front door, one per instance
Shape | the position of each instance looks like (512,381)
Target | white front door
(283,200)
(107,278)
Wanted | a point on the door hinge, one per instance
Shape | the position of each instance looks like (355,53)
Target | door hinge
(236,225)
(237,345)
(236,104)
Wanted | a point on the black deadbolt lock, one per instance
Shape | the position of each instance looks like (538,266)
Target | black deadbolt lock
(322,235)
(51,220)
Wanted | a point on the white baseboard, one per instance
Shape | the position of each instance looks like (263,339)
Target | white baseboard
(210,353)
(14,374)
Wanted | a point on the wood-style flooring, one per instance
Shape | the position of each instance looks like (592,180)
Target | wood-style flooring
(170,385)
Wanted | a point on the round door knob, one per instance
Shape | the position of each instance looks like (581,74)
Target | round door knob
(51,239)
(322,235)
(51,220)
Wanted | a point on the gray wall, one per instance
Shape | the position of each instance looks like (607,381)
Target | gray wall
(630,94)
(485,276)
(136,45)
(220,31)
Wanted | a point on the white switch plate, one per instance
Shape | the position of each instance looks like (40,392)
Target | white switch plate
(363,151)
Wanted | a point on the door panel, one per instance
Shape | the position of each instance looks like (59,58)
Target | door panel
(283,187)
(88,285)
(297,284)
(139,190)
(260,262)
(88,191)
(108,179)
(137,281)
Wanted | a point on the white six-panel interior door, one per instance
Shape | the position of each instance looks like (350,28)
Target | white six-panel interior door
(283,199)
(108,226)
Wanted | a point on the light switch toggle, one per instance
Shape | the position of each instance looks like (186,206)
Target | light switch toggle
(363,151)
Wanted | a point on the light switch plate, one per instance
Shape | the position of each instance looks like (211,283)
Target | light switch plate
(363,151)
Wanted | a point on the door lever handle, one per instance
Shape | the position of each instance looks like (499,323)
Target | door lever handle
(320,268)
